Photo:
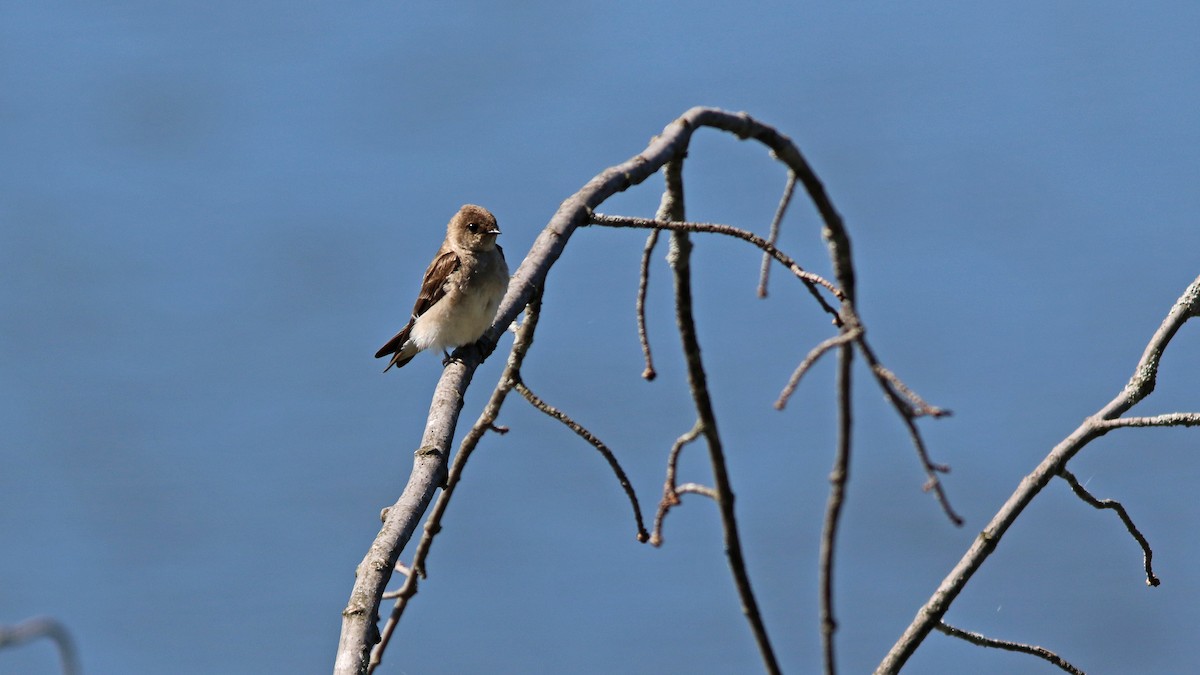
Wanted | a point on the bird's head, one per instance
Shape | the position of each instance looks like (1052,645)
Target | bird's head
(473,228)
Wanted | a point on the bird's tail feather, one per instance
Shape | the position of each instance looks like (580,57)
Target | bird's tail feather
(399,347)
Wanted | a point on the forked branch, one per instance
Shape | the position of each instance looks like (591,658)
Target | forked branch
(360,617)
(1140,385)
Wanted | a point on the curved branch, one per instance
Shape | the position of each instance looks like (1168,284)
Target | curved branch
(644,283)
(670,491)
(1082,493)
(810,360)
(985,641)
(43,627)
(603,449)
(810,280)
(359,622)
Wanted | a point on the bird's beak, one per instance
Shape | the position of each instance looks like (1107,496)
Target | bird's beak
(494,230)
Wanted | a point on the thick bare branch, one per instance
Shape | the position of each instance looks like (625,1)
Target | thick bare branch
(1140,384)
(359,619)
(486,422)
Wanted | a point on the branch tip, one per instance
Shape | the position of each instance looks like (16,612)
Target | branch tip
(1032,650)
(1116,506)
(595,442)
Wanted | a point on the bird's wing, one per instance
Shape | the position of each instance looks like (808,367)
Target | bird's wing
(433,288)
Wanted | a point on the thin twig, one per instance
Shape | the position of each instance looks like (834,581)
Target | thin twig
(919,407)
(670,493)
(1167,420)
(588,436)
(773,235)
(907,404)
(810,360)
(984,641)
(833,507)
(1139,386)
(698,489)
(811,280)
(1082,492)
(43,627)
(644,283)
(486,422)
(932,482)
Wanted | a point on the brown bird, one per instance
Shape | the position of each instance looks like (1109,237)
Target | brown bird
(461,290)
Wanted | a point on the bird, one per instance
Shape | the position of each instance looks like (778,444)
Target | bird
(460,293)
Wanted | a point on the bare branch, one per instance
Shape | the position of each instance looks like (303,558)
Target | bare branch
(910,406)
(810,360)
(773,235)
(1167,420)
(670,492)
(984,641)
(1088,497)
(671,208)
(919,407)
(810,280)
(588,436)
(698,489)
(43,627)
(486,422)
(833,507)
(1139,386)
(906,402)
(644,283)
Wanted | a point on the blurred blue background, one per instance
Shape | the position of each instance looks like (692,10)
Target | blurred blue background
(211,218)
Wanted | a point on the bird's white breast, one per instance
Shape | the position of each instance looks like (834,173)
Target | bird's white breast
(467,309)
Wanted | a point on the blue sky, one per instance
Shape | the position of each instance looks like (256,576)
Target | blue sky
(210,220)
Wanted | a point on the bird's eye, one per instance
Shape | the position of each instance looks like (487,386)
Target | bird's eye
(474,227)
